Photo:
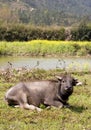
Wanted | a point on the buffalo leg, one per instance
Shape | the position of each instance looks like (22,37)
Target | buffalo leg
(23,103)
(29,107)
(54,103)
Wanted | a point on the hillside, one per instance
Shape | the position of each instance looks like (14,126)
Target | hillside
(45,12)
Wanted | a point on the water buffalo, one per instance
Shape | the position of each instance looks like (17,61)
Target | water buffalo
(30,95)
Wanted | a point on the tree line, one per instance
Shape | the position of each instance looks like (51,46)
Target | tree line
(27,33)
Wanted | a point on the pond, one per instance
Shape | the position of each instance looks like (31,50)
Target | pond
(79,63)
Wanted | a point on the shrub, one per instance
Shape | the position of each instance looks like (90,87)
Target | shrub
(82,33)
(27,33)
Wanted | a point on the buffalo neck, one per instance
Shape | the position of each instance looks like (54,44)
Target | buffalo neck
(63,97)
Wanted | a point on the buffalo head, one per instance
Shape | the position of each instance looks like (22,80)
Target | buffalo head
(66,85)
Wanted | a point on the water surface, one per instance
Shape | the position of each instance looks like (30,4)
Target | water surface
(46,63)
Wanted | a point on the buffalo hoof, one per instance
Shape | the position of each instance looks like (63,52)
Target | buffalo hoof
(38,109)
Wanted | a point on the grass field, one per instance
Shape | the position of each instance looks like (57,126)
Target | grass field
(77,117)
(46,48)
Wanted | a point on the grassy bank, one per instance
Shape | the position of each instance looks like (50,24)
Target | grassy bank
(77,117)
(45,48)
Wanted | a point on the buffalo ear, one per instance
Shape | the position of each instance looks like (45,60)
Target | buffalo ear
(58,77)
(79,84)
(76,82)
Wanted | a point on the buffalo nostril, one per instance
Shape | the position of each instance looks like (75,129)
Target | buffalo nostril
(68,87)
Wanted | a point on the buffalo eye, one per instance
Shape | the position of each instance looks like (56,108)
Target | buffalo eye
(63,81)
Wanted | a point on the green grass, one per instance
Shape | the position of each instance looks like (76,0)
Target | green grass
(45,48)
(77,117)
